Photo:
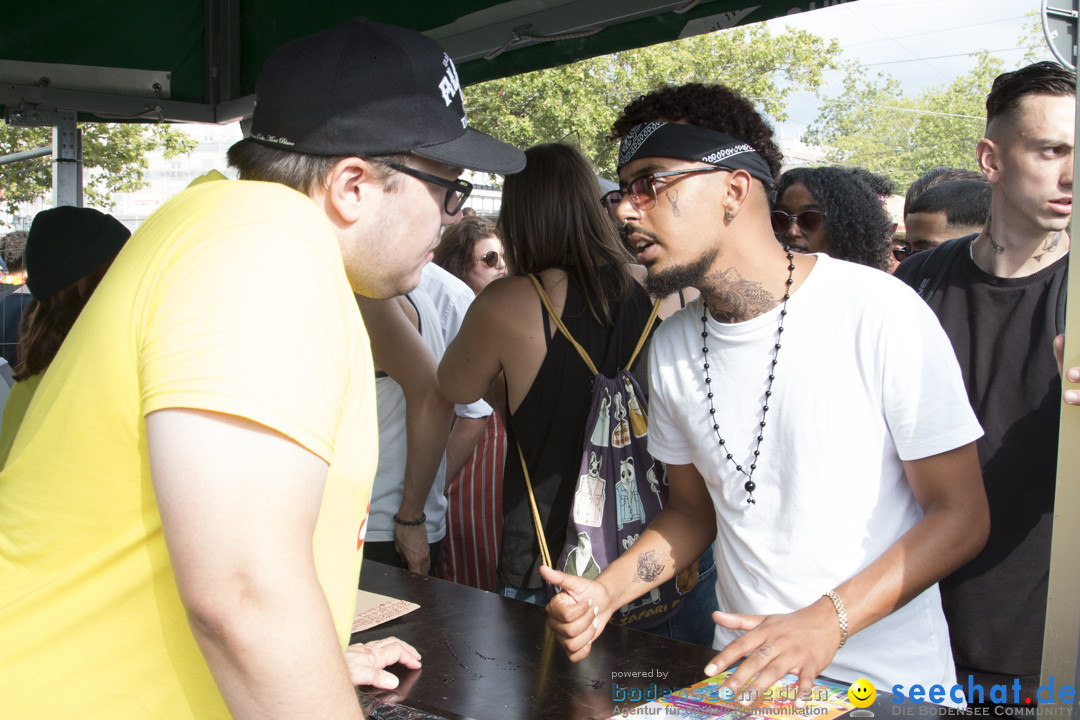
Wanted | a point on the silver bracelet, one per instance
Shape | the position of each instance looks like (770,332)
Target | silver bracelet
(841,615)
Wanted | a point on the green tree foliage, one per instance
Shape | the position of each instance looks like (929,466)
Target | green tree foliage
(114,159)
(875,125)
(579,102)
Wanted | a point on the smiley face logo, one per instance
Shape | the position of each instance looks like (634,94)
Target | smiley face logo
(862,693)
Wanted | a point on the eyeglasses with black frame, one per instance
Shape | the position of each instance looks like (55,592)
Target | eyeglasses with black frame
(642,189)
(457,191)
(809,221)
(902,252)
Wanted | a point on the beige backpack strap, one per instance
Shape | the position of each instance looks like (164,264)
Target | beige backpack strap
(644,334)
(545,555)
(558,321)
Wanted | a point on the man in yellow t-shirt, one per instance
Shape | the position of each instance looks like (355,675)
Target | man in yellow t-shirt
(182,512)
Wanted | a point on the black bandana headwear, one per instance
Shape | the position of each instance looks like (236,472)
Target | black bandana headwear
(690,142)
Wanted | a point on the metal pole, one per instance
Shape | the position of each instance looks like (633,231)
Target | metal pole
(1061,638)
(25,155)
(67,161)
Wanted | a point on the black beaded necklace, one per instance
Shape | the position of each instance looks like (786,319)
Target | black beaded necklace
(749,485)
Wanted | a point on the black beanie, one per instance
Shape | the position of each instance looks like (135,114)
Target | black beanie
(66,244)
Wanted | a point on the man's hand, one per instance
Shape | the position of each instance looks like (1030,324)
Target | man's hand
(802,642)
(411,544)
(578,614)
(367,660)
(1071,397)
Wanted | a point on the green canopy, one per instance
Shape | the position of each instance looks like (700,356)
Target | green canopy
(197,60)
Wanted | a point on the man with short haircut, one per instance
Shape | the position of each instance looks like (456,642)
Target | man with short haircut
(946,211)
(936,177)
(184,505)
(782,402)
(999,304)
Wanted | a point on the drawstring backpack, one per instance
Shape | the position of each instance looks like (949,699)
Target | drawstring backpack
(620,486)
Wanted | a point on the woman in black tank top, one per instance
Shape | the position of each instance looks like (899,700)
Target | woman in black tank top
(553,227)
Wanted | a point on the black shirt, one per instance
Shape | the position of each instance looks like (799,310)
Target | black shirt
(1002,330)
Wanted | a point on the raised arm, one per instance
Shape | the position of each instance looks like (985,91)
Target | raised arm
(676,537)
(238,506)
(955,525)
(400,352)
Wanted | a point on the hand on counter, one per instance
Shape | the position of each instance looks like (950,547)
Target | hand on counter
(367,660)
(802,643)
(579,613)
(411,544)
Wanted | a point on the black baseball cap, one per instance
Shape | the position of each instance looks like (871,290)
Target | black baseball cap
(365,88)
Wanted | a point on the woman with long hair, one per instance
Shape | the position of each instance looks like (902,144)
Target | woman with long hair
(67,253)
(555,229)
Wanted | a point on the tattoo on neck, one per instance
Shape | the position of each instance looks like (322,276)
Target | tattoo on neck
(994,247)
(648,567)
(1051,242)
(673,198)
(734,299)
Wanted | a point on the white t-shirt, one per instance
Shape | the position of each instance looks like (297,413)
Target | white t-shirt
(393,448)
(865,378)
(451,298)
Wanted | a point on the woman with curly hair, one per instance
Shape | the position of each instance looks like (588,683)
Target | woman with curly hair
(830,210)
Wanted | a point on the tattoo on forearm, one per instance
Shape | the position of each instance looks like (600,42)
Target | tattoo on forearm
(649,567)
(734,299)
(1051,242)
(673,198)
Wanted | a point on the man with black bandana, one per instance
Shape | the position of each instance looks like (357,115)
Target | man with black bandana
(808,421)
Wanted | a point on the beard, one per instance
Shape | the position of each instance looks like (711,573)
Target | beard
(662,283)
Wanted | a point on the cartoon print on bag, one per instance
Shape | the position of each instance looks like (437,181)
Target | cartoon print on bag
(602,428)
(620,436)
(639,423)
(580,560)
(650,475)
(628,502)
(589,496)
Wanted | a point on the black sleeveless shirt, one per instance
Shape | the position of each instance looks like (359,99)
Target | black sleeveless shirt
(550,423)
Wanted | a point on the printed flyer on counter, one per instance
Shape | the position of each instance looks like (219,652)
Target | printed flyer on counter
(705,700)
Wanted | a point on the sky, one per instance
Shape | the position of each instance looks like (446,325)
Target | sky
(920,42)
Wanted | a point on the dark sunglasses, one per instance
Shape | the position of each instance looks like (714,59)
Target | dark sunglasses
(809,221)
(457,191)
(642,190)
(612,198)
(902,253)
(490,258)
